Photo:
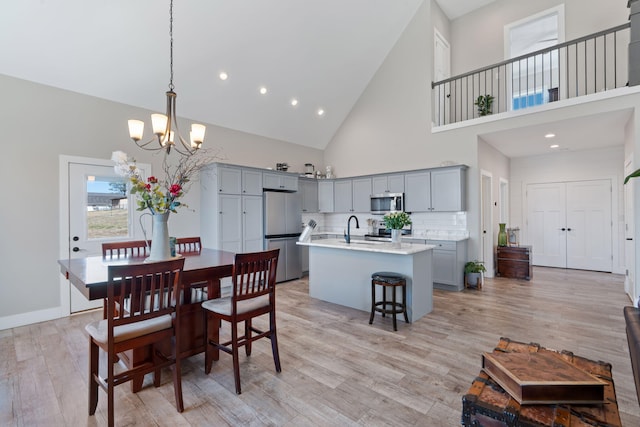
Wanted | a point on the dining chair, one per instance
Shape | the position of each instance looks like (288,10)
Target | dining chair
(188,245)
(253,294)
(125,248)
(147,323)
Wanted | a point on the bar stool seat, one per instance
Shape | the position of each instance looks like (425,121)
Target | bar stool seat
(388,280)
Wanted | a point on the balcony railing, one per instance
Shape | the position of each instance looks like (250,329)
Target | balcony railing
(594,63)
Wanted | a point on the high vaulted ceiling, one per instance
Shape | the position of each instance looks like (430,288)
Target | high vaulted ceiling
(322,53)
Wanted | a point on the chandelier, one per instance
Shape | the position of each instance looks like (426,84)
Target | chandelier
(165,126)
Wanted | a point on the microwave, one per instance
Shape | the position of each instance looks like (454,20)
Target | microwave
(387,202)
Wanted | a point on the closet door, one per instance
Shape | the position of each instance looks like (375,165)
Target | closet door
(569,224)
(546,223)
(589,243)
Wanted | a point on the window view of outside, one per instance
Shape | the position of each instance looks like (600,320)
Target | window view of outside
(107,210)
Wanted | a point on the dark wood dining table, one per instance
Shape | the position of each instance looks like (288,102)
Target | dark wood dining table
(202,270)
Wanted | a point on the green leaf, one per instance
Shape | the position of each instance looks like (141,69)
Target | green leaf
(632,175)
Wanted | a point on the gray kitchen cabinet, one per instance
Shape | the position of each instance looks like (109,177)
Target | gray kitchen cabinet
(280,181)
(417,194)
(342,195)
(361,195)
(449,258)
(436,190)
(231,222)
(352,195)
(228,179)
(251,182)
(325,196)
(308,189)
(448,189)
(393,183)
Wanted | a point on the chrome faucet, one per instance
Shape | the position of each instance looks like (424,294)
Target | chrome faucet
(347,237)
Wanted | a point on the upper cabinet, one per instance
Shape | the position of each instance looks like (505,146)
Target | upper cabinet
(251,182)
(393,183)
(308,189)
(233,179)
(325,196)
(448,189)
(280,181)
(436,190)
(352,195)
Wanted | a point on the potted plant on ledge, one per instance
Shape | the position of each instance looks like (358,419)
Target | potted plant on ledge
(473,274)
(484,104)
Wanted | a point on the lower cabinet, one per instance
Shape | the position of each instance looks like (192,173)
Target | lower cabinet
(449,258)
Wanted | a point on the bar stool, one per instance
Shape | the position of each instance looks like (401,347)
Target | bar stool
(388,280)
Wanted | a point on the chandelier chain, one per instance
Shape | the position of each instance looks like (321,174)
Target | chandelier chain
(171,46)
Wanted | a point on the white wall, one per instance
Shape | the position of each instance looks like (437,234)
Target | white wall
(39,124)
(485,27)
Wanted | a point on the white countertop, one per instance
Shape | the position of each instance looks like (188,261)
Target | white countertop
(367,246)
(448,237)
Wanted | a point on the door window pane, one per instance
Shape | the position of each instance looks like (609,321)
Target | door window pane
(107,207)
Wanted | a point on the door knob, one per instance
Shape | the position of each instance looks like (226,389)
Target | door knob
(75,249)
(76,238)
(563,229)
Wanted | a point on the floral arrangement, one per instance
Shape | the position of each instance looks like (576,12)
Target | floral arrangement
(396,220)
(159,195)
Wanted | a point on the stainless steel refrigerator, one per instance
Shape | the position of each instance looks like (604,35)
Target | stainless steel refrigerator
(282,227)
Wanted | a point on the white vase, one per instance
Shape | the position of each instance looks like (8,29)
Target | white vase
(160,250)
(396,238)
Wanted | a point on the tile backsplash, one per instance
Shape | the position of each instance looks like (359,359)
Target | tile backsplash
(430,225)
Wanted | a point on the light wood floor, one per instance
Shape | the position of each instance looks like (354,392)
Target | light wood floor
(337,369)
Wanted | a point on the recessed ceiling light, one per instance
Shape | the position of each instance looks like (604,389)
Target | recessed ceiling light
(550,135)
(554,146)
(320,112)
(263,90)
(294,102)
(223,75)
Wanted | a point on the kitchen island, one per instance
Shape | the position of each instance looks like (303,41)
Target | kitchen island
(340,272)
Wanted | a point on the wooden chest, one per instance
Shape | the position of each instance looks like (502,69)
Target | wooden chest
(487,404)
(514,262)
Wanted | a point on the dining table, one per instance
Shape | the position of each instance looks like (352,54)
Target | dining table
(200,281)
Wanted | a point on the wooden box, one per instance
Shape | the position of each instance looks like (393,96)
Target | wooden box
(514,262)
(542,377)
(488,404)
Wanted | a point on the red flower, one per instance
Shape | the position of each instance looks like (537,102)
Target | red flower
(175,189)
(147,187)
(152,180)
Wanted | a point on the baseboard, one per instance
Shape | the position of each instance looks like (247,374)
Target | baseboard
(29,318)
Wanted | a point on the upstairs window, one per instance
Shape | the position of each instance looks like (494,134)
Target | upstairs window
(535,80)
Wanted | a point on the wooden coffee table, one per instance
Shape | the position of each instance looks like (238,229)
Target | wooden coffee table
(487,404)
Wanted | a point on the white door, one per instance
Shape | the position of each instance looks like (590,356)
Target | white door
(569,224)
(629,231)
(442,71)
(589,225)
(96,209)
(546,229)
(487,225)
